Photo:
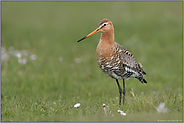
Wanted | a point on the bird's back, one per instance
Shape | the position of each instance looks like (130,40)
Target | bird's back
(128,59)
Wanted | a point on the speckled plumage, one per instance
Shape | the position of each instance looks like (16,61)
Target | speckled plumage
(120,64)
(113,59)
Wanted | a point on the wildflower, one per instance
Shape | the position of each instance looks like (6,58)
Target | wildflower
(17,54)
(121,112)
(161,108)
(105,108)
(76,105)
(22,61)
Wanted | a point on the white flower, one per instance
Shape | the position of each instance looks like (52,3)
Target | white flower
(18,54)
(22,61)
(121,112)
(161,108)
(105,108)
(76,105)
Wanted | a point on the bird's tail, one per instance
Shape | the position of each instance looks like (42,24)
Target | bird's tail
(141,79)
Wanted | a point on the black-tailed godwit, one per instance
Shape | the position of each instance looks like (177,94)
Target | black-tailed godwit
(113,59)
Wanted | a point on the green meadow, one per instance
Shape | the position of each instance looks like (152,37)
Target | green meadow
(66,72)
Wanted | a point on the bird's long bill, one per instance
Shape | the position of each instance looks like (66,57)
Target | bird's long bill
(90,34)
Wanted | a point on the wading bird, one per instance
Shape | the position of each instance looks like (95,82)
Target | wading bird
(113,59)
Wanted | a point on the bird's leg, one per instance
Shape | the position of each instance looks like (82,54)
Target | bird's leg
(124,91)
(120,92)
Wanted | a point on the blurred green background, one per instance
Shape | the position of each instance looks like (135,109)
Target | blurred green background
(66,72)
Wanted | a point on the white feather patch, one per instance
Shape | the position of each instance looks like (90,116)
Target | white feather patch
(134,72)
(117,59)
(108,66)
(115,68)
(112,57)
(103,25)
(116,76)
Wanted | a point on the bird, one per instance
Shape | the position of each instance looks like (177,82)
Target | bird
(113,59)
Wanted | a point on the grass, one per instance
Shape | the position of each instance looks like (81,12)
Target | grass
(46,89)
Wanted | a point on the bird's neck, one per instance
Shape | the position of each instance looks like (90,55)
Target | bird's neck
(105,44)
(107,37)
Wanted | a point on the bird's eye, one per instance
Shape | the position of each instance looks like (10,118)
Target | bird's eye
(105,24)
